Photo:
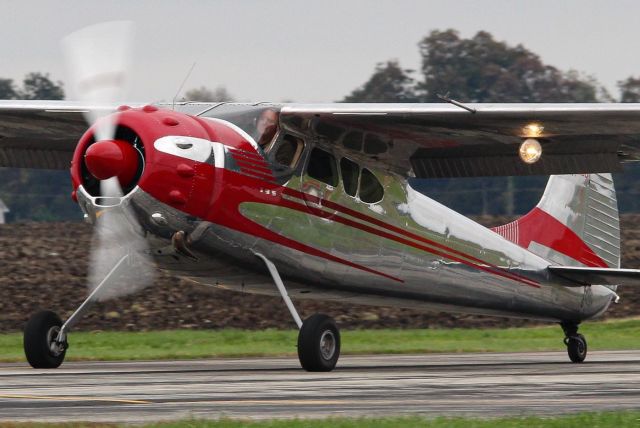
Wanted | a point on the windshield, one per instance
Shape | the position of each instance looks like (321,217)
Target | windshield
(259,121)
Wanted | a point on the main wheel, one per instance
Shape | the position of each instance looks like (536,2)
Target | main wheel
(318,344)
(40,347)
(577,348)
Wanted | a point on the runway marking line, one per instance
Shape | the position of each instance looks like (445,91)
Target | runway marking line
(72,398)
(241,402)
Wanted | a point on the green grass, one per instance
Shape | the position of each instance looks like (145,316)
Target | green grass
(609,419)
(185,344)
(582,420)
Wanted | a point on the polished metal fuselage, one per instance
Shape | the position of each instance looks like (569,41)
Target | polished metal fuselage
(407,251)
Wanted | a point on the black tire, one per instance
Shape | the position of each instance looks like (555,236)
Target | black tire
(577,348)
(319,344)
(39,333)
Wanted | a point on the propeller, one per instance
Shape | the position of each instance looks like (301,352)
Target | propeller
(117,233)
(98,59)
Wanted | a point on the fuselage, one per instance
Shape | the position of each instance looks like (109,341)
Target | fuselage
(336,229)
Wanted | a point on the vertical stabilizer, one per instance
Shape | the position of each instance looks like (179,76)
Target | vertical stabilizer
(576,222)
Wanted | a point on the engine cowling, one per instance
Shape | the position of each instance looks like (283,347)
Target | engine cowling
(174,177)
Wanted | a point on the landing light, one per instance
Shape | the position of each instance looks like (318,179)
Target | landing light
(530,151)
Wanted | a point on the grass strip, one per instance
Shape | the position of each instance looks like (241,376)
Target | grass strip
(581,420)
(189,344)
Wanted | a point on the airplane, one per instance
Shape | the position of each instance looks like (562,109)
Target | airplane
(316,201)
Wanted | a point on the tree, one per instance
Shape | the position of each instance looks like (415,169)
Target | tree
(481,69)
(7,89)
(219,94)
(388,84)
(630,90)
(38,86)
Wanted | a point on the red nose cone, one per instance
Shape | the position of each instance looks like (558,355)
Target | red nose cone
(111,158)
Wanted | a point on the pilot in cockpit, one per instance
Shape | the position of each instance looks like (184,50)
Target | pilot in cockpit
(266,127)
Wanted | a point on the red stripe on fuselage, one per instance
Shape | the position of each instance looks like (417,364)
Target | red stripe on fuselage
(323,214)
(372,220)
(451,253)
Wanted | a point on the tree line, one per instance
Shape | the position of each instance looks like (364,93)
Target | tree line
(475,69)
(481,69)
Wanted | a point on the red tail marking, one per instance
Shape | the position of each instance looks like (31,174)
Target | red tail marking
(539,226)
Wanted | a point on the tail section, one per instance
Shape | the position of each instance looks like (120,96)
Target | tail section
(576,222)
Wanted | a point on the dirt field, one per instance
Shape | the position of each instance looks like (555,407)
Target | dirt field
(43,265)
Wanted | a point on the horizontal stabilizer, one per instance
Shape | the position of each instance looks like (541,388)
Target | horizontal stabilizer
(601,276)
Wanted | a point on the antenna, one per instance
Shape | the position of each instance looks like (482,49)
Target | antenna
(446,98)
(173,102)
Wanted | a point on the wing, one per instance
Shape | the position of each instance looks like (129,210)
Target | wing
(601,276)
(44,134)
(443,140)
(39,134)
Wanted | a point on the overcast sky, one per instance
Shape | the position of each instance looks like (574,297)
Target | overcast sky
(314,51)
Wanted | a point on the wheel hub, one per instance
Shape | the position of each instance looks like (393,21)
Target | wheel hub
(54,347)
(327,344)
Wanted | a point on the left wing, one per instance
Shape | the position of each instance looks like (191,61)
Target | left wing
(442,140)
(601,276)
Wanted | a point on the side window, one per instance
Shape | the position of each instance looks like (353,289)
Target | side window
(371,190)
(322,167)
(288,152)
(350,171)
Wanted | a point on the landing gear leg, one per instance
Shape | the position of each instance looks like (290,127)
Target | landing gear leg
(45,336)
(318,335)
(575,342)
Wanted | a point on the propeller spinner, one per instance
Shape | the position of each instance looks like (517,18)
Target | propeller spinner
(112,158)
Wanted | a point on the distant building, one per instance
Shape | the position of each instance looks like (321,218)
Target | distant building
(3,211)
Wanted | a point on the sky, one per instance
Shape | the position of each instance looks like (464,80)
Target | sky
(313,51)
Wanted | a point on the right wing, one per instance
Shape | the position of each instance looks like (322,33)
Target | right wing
(40,134)
(44,134)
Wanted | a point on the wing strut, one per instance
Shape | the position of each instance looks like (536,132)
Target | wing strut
(283,291)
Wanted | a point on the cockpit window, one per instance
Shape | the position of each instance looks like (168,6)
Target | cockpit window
(288,152)
(350,172)
(371,190)
(322,167)
(266,127)
(260,122)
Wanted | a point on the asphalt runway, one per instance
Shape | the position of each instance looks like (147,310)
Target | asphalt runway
(442,384)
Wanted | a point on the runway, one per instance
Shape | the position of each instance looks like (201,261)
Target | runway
(441,384)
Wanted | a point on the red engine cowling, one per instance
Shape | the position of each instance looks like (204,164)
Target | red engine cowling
(177,181)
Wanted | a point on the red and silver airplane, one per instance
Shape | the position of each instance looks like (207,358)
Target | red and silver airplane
(316,202)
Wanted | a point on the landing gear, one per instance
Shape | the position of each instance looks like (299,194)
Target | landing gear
(45,336)
(575,342)
(318,335)
(318,344)
(41,347)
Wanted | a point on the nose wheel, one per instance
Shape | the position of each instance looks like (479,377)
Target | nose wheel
(45,336)
(575,342)
(41,347)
